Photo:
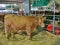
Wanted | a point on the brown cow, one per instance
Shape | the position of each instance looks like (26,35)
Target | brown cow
(16,24)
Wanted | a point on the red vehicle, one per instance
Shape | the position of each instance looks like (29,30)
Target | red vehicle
(50,29)
(57,31)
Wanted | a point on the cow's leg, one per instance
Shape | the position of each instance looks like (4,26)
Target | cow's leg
(13,34)
(7,31)
(28,30)
(13,31)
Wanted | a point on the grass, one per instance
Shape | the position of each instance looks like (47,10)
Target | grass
(57,42)
(42,38)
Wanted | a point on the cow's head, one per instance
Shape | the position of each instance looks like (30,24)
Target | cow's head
(41,21)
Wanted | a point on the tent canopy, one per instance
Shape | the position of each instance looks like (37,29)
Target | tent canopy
(39,3)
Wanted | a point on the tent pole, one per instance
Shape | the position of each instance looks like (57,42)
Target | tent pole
(54,18)
(12,8)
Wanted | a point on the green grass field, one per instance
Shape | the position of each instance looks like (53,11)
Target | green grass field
(41,38)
